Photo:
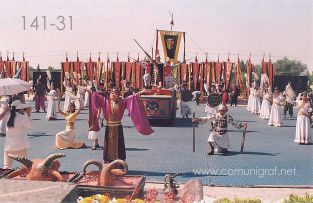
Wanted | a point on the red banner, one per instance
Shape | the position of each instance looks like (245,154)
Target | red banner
(76,69)
(249,76)
(183,72)
(24,72)
(213,73)
(201,78)
(90,66)
(117,75)
(142,72)
(271,74)
(239,78)
(208,73)
(128,71)
(8,68)
(195,69)
(13,68)
(137,76)
(2,69)
(218,69)
(229,69)
(265,67)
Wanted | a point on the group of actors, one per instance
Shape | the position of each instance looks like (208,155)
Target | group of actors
(273,106)
(103,104)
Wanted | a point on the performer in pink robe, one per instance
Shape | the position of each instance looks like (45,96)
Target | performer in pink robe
(113,109)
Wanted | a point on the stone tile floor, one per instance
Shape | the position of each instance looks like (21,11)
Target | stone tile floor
(270,156)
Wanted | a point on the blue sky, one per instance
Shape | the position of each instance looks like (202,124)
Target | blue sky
(280,27)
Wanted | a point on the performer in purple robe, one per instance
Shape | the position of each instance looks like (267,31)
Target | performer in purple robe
(113,109)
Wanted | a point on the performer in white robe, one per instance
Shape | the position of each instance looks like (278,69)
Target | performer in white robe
(68,91)
(52,104)
(265,111)
(255,101)
(87,94)
(252,90)
(219,136)
(81,89)
(303,129)
(3,122)
(290,100)
(276,117)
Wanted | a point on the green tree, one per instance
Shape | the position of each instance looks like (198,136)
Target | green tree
(50,68)
(287,67)
(311,78)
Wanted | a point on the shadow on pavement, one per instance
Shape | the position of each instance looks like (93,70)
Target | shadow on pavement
(233,153)
(136,149)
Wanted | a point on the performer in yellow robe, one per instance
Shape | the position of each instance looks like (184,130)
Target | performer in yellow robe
(66,138)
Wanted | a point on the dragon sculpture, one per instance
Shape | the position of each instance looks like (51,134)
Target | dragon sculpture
(39,169)
(107,172)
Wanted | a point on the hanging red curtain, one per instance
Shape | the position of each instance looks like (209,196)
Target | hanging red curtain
(218,69)
(229,69)
(195,69)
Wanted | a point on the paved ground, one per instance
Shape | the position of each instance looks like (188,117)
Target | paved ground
(270,157)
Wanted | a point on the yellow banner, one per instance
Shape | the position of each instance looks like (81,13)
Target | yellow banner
(171,43)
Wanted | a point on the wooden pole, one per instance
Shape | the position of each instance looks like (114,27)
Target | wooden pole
(243,137)
(193,133)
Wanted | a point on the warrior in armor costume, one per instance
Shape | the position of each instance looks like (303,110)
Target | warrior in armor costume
(219,137)
(290,100)
(210,110)
(185,96)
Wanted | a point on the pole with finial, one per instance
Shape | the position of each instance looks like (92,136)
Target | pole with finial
(8,56)
(13,56)
(172,21)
